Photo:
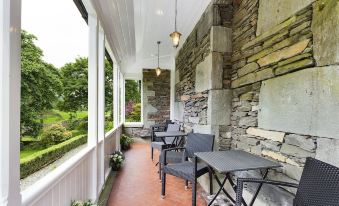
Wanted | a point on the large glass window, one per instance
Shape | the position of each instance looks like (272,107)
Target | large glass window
(132,101)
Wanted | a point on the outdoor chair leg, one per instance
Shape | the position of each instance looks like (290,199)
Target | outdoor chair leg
(159,171)
(194,193)
(152,153)
(211,182)
(186,184)
(163,185)
(194,183)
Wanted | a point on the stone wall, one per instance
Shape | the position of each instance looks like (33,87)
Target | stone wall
(282,105)
(203,74)
(279,84)
(156,97)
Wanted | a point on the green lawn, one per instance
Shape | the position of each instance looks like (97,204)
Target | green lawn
(28,152)
(57,116)
(54,116)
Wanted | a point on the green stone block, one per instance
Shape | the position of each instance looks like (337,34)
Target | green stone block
(294,66)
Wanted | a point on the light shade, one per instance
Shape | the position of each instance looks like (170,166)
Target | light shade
(175,38)
(158,71)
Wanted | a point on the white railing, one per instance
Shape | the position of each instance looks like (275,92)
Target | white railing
(71,180)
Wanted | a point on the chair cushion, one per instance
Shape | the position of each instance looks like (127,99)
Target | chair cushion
(185,170)
(172,157)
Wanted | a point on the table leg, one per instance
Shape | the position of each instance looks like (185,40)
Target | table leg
(221,185)
(234,186)
(258,188)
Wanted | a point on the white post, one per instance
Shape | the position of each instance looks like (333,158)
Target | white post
(101,109)
(122,97)
(115,95)
(93,99)
(10,77)
(172,89)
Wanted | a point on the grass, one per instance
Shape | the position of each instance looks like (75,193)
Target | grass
(55,116)
(28,152)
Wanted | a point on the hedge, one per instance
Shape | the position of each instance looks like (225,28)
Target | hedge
(47,156)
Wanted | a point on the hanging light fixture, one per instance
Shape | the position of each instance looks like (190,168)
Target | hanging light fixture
(158,70)
(175,35)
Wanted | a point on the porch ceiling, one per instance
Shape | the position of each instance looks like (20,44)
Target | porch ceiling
(133,27)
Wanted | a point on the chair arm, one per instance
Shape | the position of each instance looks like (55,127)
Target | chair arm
(170,149)
(241,181)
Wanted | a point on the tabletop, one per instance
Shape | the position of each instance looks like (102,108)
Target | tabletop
(235,160)
(170,134)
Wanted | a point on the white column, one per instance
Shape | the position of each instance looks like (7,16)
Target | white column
(122,97)
(115,95)
(10,77)
(172,89)
(101,109)
(93,99)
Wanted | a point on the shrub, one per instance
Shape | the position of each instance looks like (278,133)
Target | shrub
(55,133)
(125,142)
(45,157)
(31,129)
(83,125)
(116,160)
(81,203)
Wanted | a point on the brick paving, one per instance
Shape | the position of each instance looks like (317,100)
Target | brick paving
(138,183)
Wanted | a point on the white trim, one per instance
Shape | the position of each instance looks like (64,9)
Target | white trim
(43,186)
(122,97)
(115,95)
(93,101)
(172,90)
(101,111)
(10,78)
(133,124)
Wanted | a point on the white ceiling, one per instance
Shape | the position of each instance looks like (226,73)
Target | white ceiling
(133,27)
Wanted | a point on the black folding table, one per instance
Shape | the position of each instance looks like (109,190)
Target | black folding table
(226,162)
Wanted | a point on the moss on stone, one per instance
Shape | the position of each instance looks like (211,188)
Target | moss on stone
(294,66)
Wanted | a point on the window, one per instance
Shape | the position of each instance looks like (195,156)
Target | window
(132,101)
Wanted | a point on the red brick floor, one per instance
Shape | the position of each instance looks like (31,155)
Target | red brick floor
(137,184)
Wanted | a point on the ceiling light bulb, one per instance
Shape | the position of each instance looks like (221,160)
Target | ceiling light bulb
(158,71)
(175,38)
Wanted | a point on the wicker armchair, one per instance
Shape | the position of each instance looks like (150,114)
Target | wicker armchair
(318,186)
(189,171)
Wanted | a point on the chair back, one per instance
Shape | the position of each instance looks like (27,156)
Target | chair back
(167,122)
(319,184)
(172,128)
(197,142)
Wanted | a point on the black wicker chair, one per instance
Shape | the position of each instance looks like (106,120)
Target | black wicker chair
(158,128)
(318,186)
(187,170)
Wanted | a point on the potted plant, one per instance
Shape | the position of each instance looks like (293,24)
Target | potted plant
(81,203)
(116,160)
(125,142)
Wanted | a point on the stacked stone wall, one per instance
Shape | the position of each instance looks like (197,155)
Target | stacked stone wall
(156,97)
(203,69)
(278,90)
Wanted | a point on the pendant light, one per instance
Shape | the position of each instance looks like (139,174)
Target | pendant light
(158,70)
(175,35)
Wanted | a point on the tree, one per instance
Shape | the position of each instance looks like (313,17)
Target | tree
(132,91)
(40,85)
(75,85)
